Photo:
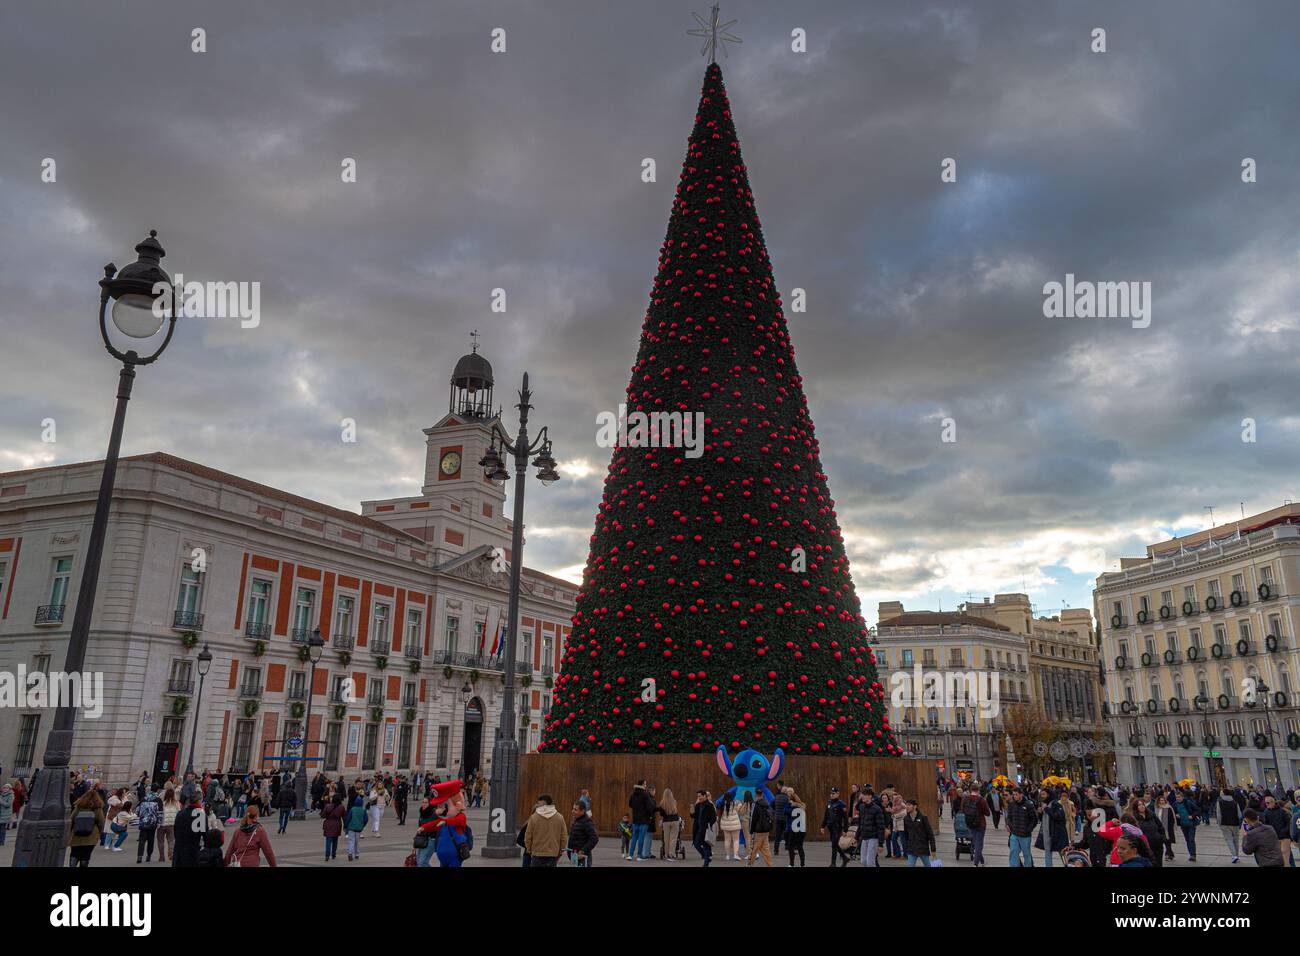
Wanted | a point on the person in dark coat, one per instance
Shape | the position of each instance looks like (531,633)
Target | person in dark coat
(918,836)
(191,823)
(1096,801)
(1153,830)
(780,816)
(642,805)
(835,821)
(1022,819)
(1053,834)
(332,815)
(582,836)
(318,785)
(703,816)
(871,827)
(401,793)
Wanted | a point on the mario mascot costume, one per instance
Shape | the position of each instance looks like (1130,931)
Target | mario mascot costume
(449,828)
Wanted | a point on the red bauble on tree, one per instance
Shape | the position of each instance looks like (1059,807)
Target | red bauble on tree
(717,597)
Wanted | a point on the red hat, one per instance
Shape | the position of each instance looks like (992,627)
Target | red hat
(442,792)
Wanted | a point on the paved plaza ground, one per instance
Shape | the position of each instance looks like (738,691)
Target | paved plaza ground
(303,845)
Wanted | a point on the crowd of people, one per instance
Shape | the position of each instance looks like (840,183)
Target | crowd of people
(184,821)
(1137,826)
(1075,826)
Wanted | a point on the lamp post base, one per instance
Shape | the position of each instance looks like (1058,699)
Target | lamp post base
(503,820)
(43,832)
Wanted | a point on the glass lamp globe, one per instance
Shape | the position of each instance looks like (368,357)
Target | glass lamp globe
(134,316)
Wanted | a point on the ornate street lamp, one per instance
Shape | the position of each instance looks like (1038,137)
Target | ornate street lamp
(205,664)
(315,648)
(1262,691)
(500,843)
(139,292)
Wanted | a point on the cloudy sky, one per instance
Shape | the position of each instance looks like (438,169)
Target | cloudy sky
(1078,440)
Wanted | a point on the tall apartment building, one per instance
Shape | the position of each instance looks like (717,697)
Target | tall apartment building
(1065,680)
(409,595)
(1200,654)
(960,740)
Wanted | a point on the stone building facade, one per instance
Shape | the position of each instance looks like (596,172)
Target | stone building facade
(1193,633)
(409,595)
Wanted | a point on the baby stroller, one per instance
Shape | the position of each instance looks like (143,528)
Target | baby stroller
(962,831)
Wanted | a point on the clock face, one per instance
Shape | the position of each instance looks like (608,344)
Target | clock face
(450,463)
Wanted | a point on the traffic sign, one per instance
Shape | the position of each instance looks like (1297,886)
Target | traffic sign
(295,742)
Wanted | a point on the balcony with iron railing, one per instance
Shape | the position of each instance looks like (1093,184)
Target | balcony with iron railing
(187,621)
(180,685)
(481,662)
(380,648)
(375,700)
(408,700)
(49,614)
(342,642)
(413,651)
(296,693)
(338,697)
(301,635)
(548,670)
(250,691)
(257,630)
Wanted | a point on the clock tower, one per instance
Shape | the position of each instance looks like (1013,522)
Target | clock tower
(458,509)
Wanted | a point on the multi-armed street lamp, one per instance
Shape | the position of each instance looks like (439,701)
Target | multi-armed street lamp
(505,751)
(315,650)
(138,294)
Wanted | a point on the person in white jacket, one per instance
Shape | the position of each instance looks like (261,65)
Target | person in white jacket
(121,824)
(167,825)
(378,804)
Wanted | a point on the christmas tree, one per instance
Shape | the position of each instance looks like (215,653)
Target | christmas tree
(717,605)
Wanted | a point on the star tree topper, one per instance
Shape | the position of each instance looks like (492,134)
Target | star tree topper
(715,33)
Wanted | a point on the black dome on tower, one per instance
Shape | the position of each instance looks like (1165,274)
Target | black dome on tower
(471,386)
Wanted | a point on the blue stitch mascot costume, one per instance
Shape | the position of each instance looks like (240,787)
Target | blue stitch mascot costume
(750,772)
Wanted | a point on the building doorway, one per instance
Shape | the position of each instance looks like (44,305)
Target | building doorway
(472,748)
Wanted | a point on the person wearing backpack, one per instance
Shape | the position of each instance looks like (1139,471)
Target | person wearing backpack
(86,827)
(150,816)
(354,822)
(760,830)
(976,811)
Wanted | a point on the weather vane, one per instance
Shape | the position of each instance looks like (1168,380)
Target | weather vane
(474,338)
(715,33)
